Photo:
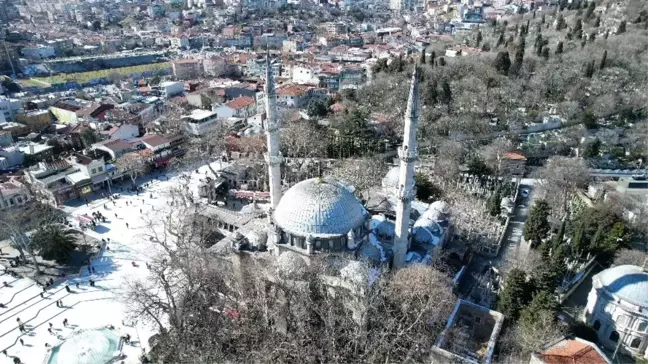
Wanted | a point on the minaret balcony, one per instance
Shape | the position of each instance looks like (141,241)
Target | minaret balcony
(407,155)
(406,194)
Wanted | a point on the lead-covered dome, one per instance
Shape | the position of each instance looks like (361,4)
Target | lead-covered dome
(319,207)
(390,182)
(626,282)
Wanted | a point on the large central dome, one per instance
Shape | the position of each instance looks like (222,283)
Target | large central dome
(319,207)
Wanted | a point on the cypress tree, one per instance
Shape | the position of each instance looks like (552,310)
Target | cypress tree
(515,295)
(559,48)
(622,27)
(537,225)
(422,61)
(502,62)
(500,40)
(545,53)
(590,9)
(578,26)
(603,60)
(479,38)
(560,22)
(432,57)
(597,22)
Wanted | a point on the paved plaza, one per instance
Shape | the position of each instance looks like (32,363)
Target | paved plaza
(89,307)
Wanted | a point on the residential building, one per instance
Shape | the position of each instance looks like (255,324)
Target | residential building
(11,158)
(180,42)
(513,164)
(34,152)
(333,28)
(243,106)
(187,69)
(402,5)
(305,75)
(9,108)
(572,350)
(13,193)
(124,131)
(5,138)
(113,148)
(36,120)
(200,121)
(160,148)
(292,95)
(170,88)
(204,99)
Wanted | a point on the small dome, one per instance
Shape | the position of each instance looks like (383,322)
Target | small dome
(626,282)
(390,182)
(319,207)
(290,264)
(87,347)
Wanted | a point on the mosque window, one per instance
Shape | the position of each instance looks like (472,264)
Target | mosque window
(614,336)
(636,342)
(642,326)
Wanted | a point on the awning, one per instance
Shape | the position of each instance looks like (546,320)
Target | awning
(99,179)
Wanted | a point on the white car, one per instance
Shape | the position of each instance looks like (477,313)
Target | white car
(524,193)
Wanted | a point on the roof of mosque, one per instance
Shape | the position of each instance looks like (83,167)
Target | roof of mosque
(320,208)
(390,182)
(626,282)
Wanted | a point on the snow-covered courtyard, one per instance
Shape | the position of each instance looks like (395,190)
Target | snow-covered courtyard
(86,307)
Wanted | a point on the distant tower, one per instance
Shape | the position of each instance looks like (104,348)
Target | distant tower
(405,191)
(273,157)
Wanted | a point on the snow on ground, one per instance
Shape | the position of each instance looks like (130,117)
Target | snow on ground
(92,307)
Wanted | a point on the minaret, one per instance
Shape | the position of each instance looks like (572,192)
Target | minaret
(273,157)
(405,191)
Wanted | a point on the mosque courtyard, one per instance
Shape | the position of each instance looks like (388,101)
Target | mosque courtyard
(90,309)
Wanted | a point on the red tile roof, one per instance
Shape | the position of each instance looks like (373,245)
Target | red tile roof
(573,351)
(241,102)
(154,140)
(292,90)
(514,156)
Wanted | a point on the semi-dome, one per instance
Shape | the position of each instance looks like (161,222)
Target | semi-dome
(626,282)
(390,182)
(319,207)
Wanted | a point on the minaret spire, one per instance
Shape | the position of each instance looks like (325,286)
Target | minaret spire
(273,157)
(405,191)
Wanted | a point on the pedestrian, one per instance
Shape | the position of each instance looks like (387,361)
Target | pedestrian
(44,289)
(42,294)
(89,271)
(126,225)
(57,303)
(77,285)
(22,342)
(49,329)
(18,319)
(140,211)
(5,352)
(65,322)
(51,325)
(67,288)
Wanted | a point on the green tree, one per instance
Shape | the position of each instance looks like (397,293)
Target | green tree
(559,48)
(442,61)
(502,62)
(423,60)
(500,40)
(446,94)
(592,149)
(317,108)
(578,26)
(494,202)
(545,53)
(432,58)
(590,10)
(597,22)
(560,22)
(588,119)
(622,27)
(426,191)
(479,38)
(431,96)
(603,60)
(55,242)
(589,69)
(89,137)
(537,225)
(515,295)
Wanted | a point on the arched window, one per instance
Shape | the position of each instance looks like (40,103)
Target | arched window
(597,325)
(636,342)
(614,336)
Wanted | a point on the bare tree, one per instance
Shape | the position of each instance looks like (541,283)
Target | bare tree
(631,257)
(362,174)
(302,139)
(134,164)
(247,308)
(560,178)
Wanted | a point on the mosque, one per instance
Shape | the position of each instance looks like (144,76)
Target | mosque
(617,309)
(322,215)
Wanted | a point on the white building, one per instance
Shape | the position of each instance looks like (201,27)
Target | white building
(12,194)
(200,121)
(617,308)
(9,108)
(305,75)
(402,5)
(170,88)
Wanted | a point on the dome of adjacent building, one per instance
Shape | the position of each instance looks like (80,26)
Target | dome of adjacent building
(390,182)
(626,282)
(319,207)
